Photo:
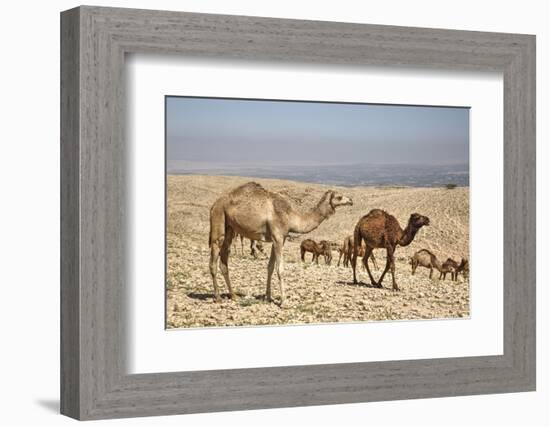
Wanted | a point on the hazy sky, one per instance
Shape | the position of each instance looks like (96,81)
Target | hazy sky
(263,132)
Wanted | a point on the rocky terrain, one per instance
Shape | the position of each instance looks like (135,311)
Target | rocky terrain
(314,293)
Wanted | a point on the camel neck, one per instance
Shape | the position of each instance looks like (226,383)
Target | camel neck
(304,222)
(408,235)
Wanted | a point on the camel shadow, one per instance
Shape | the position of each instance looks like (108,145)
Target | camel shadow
(210,296)
(359,284)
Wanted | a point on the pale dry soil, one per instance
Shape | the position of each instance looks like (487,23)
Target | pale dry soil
(314,293)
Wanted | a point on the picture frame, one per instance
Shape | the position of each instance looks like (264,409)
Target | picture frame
(94,381)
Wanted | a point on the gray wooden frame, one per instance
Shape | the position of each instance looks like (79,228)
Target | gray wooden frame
(94,382)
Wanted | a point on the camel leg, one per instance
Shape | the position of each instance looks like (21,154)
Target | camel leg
(270,268)
(392,269)
(279,266)
(339,259)
(303,254)
(214,255)
(363,262)
(253,250)
(366,257)
(389,255)
(431,271)
(373,259)
(413,266)
(224,258)
(353,264)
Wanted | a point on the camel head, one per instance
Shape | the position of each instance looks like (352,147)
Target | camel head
(418,221)
(330,201)
(336,199)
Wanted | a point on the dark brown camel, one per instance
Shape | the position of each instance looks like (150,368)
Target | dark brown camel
(326,247)
(463,267)
(449,266)
(317,249)
(379,229)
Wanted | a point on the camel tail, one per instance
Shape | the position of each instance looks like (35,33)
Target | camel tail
(217,224)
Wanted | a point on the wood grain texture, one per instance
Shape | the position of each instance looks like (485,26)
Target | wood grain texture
(70,220)
(94,272)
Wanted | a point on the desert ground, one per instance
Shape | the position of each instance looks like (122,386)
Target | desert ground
(314,293)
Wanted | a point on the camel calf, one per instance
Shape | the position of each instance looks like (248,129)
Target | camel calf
(317,249)
(255,246)
(346,251)
(463,267)
(427,259)
(326,247)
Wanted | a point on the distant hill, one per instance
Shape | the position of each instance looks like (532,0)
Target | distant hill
(343,175)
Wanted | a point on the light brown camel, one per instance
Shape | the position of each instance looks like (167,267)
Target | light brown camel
(258,214)
(379,229)
(425,258)
(347,251)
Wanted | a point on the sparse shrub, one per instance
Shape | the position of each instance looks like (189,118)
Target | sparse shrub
(450,186)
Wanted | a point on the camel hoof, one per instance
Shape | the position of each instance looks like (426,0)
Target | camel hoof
(233,297)
(217,300)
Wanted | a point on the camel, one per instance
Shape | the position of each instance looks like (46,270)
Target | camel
(258,214)
(327,251)
(317,249)
(425,258)
(255,246)
(449,266)
(379,229)
(464,268)
(347,251)
(456,268)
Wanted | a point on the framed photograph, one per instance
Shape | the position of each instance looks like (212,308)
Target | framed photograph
(261,213)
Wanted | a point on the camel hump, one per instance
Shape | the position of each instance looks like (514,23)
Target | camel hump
(249,189)
(375,213)
(425,251)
